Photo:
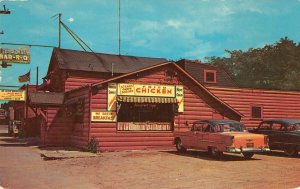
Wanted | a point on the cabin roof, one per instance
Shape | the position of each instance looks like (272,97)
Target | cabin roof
(196,69)
(100,62)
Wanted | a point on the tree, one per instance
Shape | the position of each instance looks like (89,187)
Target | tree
(275,66)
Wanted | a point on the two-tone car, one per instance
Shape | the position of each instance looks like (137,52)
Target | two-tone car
(218,136)
(284,134)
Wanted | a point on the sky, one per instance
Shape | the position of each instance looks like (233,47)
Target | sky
(171,29)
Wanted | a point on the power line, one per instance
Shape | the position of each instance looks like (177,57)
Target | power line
(10,86)
(30,45)
(76,38)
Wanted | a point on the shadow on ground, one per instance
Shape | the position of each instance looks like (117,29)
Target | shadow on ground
(279,154)
(9,141)
(205,156)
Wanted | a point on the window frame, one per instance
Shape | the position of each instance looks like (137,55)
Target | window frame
(261,111)
(210,71)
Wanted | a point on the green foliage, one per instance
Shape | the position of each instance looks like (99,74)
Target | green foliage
(92,146)
(275,66)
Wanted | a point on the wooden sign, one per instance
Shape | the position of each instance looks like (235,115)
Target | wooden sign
(111,97)
(180,99)
(130,89)
(14,95)
(21,56)
(98,116)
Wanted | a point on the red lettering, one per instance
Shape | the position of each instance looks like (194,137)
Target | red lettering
(144,90)
(138,90)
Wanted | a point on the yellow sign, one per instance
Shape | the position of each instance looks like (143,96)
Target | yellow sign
(12,95)
(146,90)
(111,97)
(21,55)
(179,96)
(104,116)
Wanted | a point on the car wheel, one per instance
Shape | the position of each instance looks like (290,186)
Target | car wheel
(213,151)
(248,155)
(290,151)
(179,146)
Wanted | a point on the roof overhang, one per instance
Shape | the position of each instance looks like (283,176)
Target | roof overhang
(46,98)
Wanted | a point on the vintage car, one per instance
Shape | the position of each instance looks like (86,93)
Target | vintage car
(284,134)
(13,127)
(218,136)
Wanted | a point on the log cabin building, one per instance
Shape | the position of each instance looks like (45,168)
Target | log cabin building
(136,103)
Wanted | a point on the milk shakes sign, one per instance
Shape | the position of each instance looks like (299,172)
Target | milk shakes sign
(111,96)
(21,56)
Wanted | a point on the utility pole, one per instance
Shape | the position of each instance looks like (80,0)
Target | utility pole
(119,27)
(4,11)
(59,29)
(37,78)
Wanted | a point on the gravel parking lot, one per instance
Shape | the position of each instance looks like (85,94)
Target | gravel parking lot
(191,170)
(22,167)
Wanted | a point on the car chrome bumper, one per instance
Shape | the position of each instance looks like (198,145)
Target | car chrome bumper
(241,150)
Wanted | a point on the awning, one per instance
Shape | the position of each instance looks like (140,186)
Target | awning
(139,99)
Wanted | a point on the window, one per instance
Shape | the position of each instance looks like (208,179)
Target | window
(256,112)
(210,76)
(135,117)
(143,112)
(207,128)
(276,126)
(291,127)
(197,127)
(265,126)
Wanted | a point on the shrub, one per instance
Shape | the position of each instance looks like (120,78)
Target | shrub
(92,146)
(22,133)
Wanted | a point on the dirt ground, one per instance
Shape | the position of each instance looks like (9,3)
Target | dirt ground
(21,166)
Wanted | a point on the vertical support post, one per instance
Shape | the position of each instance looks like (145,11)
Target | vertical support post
(37,83)
(26,103)
(59,29)
(37,78)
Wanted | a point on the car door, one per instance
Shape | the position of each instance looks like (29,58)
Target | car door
(204,136)
(289,136)
(194,135)
(276,136)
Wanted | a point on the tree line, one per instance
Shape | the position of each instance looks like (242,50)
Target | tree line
(274,67)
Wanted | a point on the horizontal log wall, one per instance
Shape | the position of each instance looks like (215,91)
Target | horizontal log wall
(75,79)
(109,139)
(58,129)
(275,104)
(80,130)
